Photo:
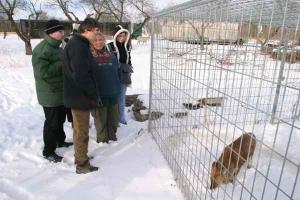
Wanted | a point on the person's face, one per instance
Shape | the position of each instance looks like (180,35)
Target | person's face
(121,37)
(58,35)
(91,35)
(99,42)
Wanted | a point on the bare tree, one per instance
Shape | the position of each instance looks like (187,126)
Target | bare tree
(265,35)
(3,26)
(68,7)
(200,35)
(9,8)
(116,8)
(43,16)
(145,7)
(268,32)
(98,6)
(35,8)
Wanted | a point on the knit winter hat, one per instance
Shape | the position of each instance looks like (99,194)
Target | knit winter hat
(53,25)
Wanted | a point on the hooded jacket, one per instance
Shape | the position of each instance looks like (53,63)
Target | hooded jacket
(122,51)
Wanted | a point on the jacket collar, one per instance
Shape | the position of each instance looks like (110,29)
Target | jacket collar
(53,42)
(82,38)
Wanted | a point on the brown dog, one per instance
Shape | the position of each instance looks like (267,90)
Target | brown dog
(231,160)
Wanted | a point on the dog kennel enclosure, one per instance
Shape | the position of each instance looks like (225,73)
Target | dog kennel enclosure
(220,68)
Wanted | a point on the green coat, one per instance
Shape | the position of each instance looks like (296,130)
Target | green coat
(48,72)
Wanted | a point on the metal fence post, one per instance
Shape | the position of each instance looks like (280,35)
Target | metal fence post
(151,74)
(279,81)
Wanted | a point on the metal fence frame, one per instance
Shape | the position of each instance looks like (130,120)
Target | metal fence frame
(257,85)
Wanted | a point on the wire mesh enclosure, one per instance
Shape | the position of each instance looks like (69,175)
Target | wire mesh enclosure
(226,76)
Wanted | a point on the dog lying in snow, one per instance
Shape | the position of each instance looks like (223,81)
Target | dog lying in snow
(231,160)
(142,39)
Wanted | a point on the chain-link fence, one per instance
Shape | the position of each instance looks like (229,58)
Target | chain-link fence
(219,69)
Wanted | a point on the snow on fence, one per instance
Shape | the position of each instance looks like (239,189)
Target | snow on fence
(219,69)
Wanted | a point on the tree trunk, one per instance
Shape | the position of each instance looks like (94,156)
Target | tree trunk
(28,48)
(24,38)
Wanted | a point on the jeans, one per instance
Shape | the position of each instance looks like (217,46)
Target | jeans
(121,104)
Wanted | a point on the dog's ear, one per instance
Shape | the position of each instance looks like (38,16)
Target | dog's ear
(214,168)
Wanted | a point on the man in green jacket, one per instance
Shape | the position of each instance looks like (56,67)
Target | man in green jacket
(48,74)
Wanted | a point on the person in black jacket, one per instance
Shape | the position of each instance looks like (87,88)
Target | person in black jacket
(121,47)
(80,90)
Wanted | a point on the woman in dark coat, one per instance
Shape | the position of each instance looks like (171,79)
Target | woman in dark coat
(121,47)
(108,86)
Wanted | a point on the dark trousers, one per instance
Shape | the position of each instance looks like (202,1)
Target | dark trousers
(53,132)
(106,122)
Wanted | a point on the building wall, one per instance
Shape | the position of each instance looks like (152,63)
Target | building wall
(175,30)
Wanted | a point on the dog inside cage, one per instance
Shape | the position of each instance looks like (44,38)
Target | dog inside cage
(232,159)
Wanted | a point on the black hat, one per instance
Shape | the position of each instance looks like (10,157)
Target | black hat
(53,25)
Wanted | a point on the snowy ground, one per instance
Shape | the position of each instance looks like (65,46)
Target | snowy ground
(131,168)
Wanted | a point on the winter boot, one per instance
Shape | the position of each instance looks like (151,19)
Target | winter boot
(86,170)
(54,158)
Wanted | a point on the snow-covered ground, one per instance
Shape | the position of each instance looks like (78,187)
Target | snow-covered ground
(131,168)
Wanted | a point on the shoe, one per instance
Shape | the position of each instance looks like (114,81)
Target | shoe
(113,138)
(103,141)
(54,158)
(65,144)
(86,170)
(91,157)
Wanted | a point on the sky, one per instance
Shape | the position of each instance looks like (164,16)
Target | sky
(160,4)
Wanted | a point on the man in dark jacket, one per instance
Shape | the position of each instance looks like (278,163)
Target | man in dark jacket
(80,93)
(47,67)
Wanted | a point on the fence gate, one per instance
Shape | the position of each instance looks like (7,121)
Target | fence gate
(221,68)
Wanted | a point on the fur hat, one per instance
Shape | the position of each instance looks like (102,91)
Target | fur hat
(52,26)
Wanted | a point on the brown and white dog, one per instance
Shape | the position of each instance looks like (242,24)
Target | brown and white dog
(231,160)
